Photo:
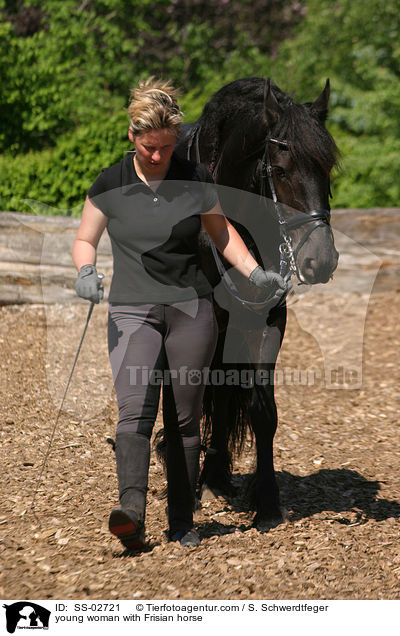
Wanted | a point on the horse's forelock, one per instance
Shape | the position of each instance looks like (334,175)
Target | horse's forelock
(309,141)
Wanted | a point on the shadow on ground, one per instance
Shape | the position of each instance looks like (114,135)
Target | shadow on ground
(338,490)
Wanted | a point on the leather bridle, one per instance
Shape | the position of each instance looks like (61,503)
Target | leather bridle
(319,218)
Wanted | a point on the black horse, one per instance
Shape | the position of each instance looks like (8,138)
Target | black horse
(271,158)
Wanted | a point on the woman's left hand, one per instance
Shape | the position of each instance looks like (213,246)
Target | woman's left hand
(273,283)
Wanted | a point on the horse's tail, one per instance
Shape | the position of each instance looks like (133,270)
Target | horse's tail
(237,419)
(236,402)
(160,446)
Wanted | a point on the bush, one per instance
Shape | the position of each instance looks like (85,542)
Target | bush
(368,175)
(61,106)
(59,177)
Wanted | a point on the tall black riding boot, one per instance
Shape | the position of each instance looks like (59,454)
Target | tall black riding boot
(132,453)
(182,475)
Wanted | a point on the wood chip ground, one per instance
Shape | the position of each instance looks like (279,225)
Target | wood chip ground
(337,460)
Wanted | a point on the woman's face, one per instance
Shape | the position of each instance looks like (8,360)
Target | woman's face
(154,149)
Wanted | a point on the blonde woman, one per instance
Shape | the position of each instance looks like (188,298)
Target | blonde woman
(161,319)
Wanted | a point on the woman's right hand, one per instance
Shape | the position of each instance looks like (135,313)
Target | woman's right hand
(89,285)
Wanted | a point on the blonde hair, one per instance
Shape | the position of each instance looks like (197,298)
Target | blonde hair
(153,105)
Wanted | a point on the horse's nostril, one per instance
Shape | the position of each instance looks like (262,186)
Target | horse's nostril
(308,265)
(315,272)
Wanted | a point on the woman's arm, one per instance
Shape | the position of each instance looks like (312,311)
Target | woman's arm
(231,245)
(91,228)
(228,240)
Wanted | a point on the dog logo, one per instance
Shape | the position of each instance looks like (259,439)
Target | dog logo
(26,615)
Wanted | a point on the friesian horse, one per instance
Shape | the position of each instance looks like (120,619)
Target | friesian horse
(271,158)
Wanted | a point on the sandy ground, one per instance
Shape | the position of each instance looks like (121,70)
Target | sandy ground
(337,460)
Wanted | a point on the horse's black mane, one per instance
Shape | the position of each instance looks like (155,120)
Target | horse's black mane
(241,106)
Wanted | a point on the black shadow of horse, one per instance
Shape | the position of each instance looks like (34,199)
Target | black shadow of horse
(335,491)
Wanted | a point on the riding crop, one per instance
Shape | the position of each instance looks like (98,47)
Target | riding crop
(32,508)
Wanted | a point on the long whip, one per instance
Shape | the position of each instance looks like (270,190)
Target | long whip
(32,508)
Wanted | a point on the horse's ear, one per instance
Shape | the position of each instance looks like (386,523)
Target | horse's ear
(272,110)
(320,106)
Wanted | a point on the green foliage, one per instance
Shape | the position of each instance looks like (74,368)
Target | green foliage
(368,173)
(66,61)
(357,45)
(76,64)
(61,176)
(67,67)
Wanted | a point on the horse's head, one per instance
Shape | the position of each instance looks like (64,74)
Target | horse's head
(242,127)
(299,173)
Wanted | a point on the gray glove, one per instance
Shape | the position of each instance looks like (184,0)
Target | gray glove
(89,285)
(275,286)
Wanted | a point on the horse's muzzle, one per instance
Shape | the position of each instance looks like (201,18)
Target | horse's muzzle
(315,271)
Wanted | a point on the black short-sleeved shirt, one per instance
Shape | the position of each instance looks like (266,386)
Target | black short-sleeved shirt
(154,235)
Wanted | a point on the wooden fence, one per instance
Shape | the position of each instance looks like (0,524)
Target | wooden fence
(36,264)
(35,258)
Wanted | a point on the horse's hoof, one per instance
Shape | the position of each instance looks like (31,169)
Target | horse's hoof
(213,492)
(208,494)
(266,522)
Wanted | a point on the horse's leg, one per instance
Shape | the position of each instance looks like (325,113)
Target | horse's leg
(221,410)
(216,472)
(264,421)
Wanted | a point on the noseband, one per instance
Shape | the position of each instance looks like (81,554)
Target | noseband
(318,218)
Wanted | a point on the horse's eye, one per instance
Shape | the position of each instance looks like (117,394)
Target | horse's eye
(279,172)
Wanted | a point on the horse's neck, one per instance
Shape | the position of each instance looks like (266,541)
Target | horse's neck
(230,184)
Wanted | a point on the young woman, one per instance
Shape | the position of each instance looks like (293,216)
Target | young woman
(161,319)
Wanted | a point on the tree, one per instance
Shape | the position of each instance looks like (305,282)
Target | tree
(69,60)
